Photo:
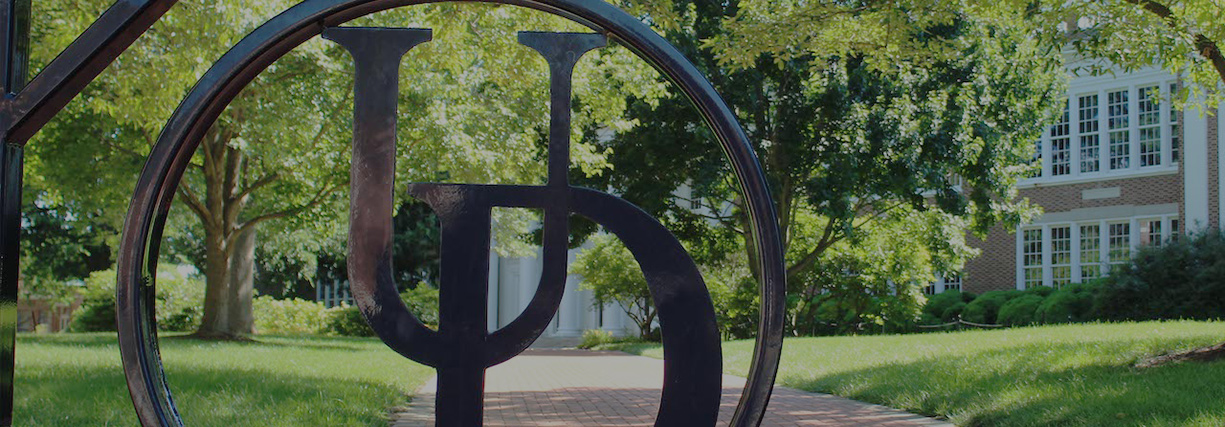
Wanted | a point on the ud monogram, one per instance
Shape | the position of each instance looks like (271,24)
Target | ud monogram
(462,348)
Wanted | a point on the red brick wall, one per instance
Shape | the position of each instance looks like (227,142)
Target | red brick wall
(995,268)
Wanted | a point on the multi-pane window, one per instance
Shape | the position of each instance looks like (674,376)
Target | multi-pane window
(1119,242)
(1058,254)
(952,282)
(1150,232)
(1175,120)
(1121,130)
(944,282)
(1031,257)
(1149,121)
(1118,129)
(1061,144)
(1061,256)
(1090,251)
(1090,142)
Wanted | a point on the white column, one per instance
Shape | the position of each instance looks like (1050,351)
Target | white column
(1195,168)
(492,301)
(1220,162)
(1020,273)
(569,315)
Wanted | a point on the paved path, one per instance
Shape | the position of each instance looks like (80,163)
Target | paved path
(575,387)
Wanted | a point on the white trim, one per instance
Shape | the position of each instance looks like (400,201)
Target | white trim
(1100,176)
(1195,167)
(1104,233)
(1100,87)
(1115,212)
(1220,164)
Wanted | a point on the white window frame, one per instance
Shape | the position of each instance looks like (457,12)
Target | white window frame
(1101,86)
(1103,244)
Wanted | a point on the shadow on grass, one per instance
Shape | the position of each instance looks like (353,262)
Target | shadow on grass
(179,340)
(1035,384)
(72,396)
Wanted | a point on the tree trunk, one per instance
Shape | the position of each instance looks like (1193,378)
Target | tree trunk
(242,283)
(216,320)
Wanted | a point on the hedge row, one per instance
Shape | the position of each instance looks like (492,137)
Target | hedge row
(1183,279)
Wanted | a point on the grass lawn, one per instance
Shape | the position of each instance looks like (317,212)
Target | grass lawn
(1052,375)
(76,379)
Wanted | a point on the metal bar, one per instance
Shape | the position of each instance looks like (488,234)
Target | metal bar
(15,42)
(14,65)
(10,250)
(81,62)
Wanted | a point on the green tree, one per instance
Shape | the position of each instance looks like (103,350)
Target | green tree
(861,114)
(610,272)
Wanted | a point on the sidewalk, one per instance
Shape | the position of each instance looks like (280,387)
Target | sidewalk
(576,387)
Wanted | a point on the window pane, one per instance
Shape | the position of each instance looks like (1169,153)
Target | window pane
(1090,144)
(1150,126)
(1061,256)
(1175,119)
(1151,230)
(1061,145)
(1090,252)
(1031,258)
(1120,243)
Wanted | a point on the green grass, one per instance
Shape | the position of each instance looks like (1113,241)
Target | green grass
(1075,375)
(76,379)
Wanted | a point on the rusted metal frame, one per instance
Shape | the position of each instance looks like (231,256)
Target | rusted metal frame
(24,109)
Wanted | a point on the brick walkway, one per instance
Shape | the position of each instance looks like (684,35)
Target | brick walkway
(576,387)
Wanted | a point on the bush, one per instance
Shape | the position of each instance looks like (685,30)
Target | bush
(180,300)
(422,301)
(289,316)
(595,337)
(953,312)
(938,305)
(1020,311)
(349,322)
(986,308)
(1041,291)
(1184,279)
(96,316)
(1072,303)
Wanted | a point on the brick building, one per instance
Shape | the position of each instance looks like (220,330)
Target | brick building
(1120,169)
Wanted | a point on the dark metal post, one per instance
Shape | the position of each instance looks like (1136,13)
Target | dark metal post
(14,60)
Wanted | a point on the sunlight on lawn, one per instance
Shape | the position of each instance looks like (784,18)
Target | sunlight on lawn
(76,379)
(1051,375)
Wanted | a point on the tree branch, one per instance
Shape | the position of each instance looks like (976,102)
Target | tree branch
(193,202)
(259,183)
(319,198)
(828,238)
(1205,46)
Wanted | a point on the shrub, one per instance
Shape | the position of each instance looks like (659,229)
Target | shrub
(422,301)
(1072,303)
(1020,311)
(289,316)
(97,316)
(1041,291)
(986,308)
(180,300)
(939,304)
(594,337)
(348,321)
(1184,279)
(953,312)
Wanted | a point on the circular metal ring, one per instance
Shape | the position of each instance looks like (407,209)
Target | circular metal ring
(179,139)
